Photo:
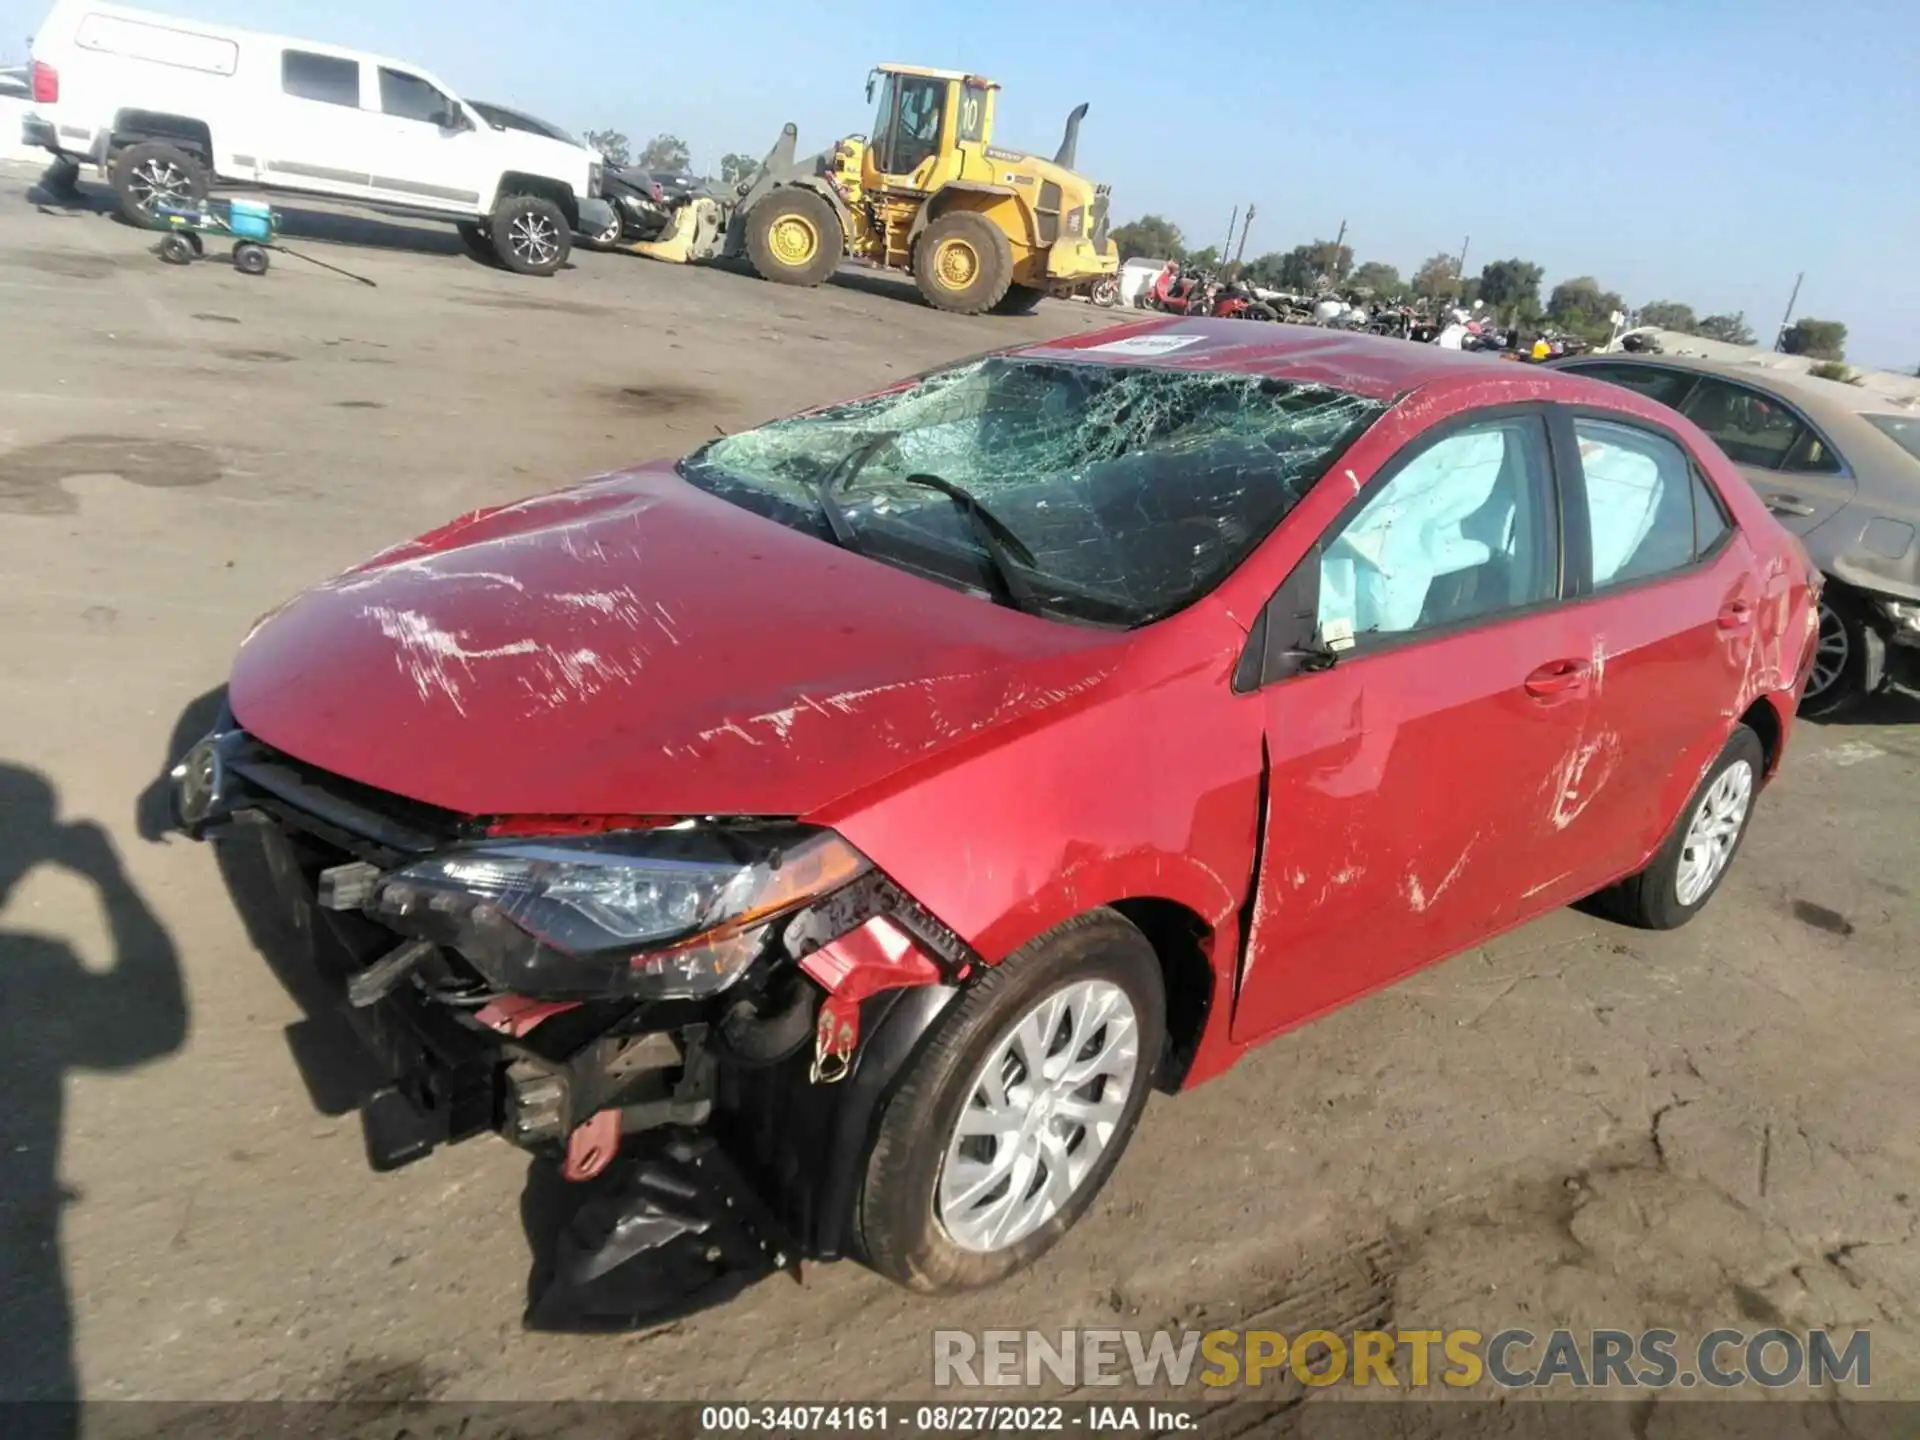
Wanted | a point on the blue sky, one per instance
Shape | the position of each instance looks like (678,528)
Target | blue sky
(1696,150)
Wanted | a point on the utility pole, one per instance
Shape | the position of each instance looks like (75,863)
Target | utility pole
(1780,340)
(1245,225)
(1232,220)
(1460,268)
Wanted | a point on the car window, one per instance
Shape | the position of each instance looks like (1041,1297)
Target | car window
(1710,523)
(326,78)
(1135,489)
(1811,456)
(1463,530)
(973,112)
(1903,430)
(408,97)
(1639,489)
(1752,428)
(1668,387)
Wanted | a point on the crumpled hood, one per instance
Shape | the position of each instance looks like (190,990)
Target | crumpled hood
(634,646)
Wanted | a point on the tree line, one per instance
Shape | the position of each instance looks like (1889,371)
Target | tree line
(666,152)
(1511,288)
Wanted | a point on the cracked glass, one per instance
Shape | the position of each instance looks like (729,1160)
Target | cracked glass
(1135,489)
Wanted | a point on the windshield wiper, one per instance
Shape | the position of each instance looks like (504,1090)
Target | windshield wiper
(843,472)
(1001,545)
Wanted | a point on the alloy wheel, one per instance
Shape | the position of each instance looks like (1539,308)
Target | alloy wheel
(156,182)
(1830,655)
(1039,1114)
(534,238)
(1713,832)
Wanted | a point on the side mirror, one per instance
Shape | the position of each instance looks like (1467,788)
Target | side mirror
(1285,640)
(454,118)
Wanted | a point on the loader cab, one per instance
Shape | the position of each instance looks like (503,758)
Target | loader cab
(922,119)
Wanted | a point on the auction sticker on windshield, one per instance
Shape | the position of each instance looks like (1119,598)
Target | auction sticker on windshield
(1145,345)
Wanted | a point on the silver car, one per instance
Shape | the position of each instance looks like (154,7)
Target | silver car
(1840,466)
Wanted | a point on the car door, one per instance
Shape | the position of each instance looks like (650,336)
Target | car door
(315,134)
(1803,481)
(1671,599)
(1411,783)
(428,149)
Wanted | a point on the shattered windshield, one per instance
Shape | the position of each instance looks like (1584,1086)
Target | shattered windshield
(1134,490)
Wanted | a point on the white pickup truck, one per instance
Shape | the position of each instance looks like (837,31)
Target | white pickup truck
(167,107)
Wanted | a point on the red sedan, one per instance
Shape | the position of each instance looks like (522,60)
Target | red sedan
(823,844)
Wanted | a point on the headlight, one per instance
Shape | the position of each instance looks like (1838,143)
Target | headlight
(660,914)
(1905,614)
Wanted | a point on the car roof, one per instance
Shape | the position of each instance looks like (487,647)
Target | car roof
(1820,398)
(1838,409)
(1376,366)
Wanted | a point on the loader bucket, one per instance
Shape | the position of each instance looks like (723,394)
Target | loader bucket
(694,235)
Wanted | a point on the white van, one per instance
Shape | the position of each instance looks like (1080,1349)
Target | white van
(166,107)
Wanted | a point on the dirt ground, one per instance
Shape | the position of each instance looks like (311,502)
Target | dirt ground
(1575,1125)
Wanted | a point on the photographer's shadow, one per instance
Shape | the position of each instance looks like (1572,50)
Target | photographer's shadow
(61,1016)
(334,1066)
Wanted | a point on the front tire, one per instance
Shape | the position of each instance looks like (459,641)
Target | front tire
(963,263)
(1849,658)
(531,235)
(1010,1121)
(1679,881)
(794,237)
(155,173)
(614,231)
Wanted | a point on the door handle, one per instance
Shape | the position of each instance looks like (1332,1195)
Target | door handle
(1788,505)
(1736,615)
(1558,678)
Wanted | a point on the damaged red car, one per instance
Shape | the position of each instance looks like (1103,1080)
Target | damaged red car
(822,845)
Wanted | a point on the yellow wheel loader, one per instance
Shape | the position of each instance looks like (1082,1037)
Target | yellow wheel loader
(980,228)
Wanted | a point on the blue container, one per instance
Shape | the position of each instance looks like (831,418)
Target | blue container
(250,219)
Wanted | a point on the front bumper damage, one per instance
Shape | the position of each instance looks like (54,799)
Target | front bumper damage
(702,1145)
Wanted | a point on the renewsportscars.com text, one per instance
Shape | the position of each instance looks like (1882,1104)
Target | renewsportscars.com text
(1510,1359)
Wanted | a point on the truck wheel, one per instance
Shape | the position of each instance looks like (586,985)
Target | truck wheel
(531,235)
(794,237)
(155,173)
(963,263)
(1019,300)
(1007,1124)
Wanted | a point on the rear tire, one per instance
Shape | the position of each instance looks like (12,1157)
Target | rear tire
(963,263)
(911,1210)
(794,237)
(250,259)
(153,173)
(1679,881)
(531,235)
(176,249)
